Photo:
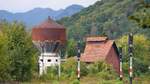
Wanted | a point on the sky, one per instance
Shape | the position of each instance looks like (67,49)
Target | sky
(26,5)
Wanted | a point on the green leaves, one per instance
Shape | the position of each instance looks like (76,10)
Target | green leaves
(4,59)
(142,17)
(71,48)
(141,14)
(17,52)
(141,53)
(109,18)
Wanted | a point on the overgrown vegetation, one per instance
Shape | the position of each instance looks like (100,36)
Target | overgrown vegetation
(18,61)
(18,57)
(142,14)
(98,70)
(141,54)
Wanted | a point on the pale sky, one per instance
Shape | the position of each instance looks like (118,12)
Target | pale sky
(25,5)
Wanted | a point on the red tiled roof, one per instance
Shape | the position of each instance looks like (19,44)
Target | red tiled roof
(98,50)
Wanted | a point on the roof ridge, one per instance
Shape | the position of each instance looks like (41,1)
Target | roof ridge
(49,23)
(96,38)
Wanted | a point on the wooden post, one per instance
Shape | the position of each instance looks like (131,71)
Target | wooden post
(130,50)
(59,65)
(78,61)
(120,55)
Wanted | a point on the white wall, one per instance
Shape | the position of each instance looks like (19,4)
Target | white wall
(46,60)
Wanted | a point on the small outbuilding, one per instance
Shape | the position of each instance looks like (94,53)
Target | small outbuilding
(101,49)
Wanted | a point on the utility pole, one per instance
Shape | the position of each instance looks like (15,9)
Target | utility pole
(120,56)
(130,49)
(78,60)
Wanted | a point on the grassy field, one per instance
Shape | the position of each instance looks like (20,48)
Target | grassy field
(92,80)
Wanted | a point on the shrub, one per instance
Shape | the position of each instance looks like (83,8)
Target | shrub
(84,70)
(106,75)
(69,68)
(99,67)
(52,74)
(75,82)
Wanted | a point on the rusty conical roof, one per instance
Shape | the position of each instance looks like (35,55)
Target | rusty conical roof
(49,23)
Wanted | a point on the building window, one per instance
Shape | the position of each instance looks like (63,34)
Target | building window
(41,60)
(49,60)
(56,60)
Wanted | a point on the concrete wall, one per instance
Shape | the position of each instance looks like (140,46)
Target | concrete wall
(46,60)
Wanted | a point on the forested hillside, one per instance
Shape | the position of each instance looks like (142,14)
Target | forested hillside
(105,17)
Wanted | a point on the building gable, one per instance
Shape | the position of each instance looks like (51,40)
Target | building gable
(101,49)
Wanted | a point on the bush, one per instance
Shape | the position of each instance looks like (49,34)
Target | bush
(84,70)
(99,67)
(75,82)
(52,74)
(69,68)
(105,75)
(98,70)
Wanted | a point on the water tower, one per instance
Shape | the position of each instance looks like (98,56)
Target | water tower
(49,37)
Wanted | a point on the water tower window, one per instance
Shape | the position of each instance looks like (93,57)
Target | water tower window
(49,60)
(41,60)
(56,60)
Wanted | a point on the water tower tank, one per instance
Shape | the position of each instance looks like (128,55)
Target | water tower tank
(49,37)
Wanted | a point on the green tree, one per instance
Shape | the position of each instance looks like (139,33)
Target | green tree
(71,48)
(108,16)
(18,53)
(4,59)
(141,52)
(141,14)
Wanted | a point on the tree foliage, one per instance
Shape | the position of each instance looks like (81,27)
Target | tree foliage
(110,17)
(4,59)
(71,48)
(141,53)
(142,14)
(17,51)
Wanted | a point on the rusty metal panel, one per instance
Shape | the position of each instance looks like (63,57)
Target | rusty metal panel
(49,35)
(50,31)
